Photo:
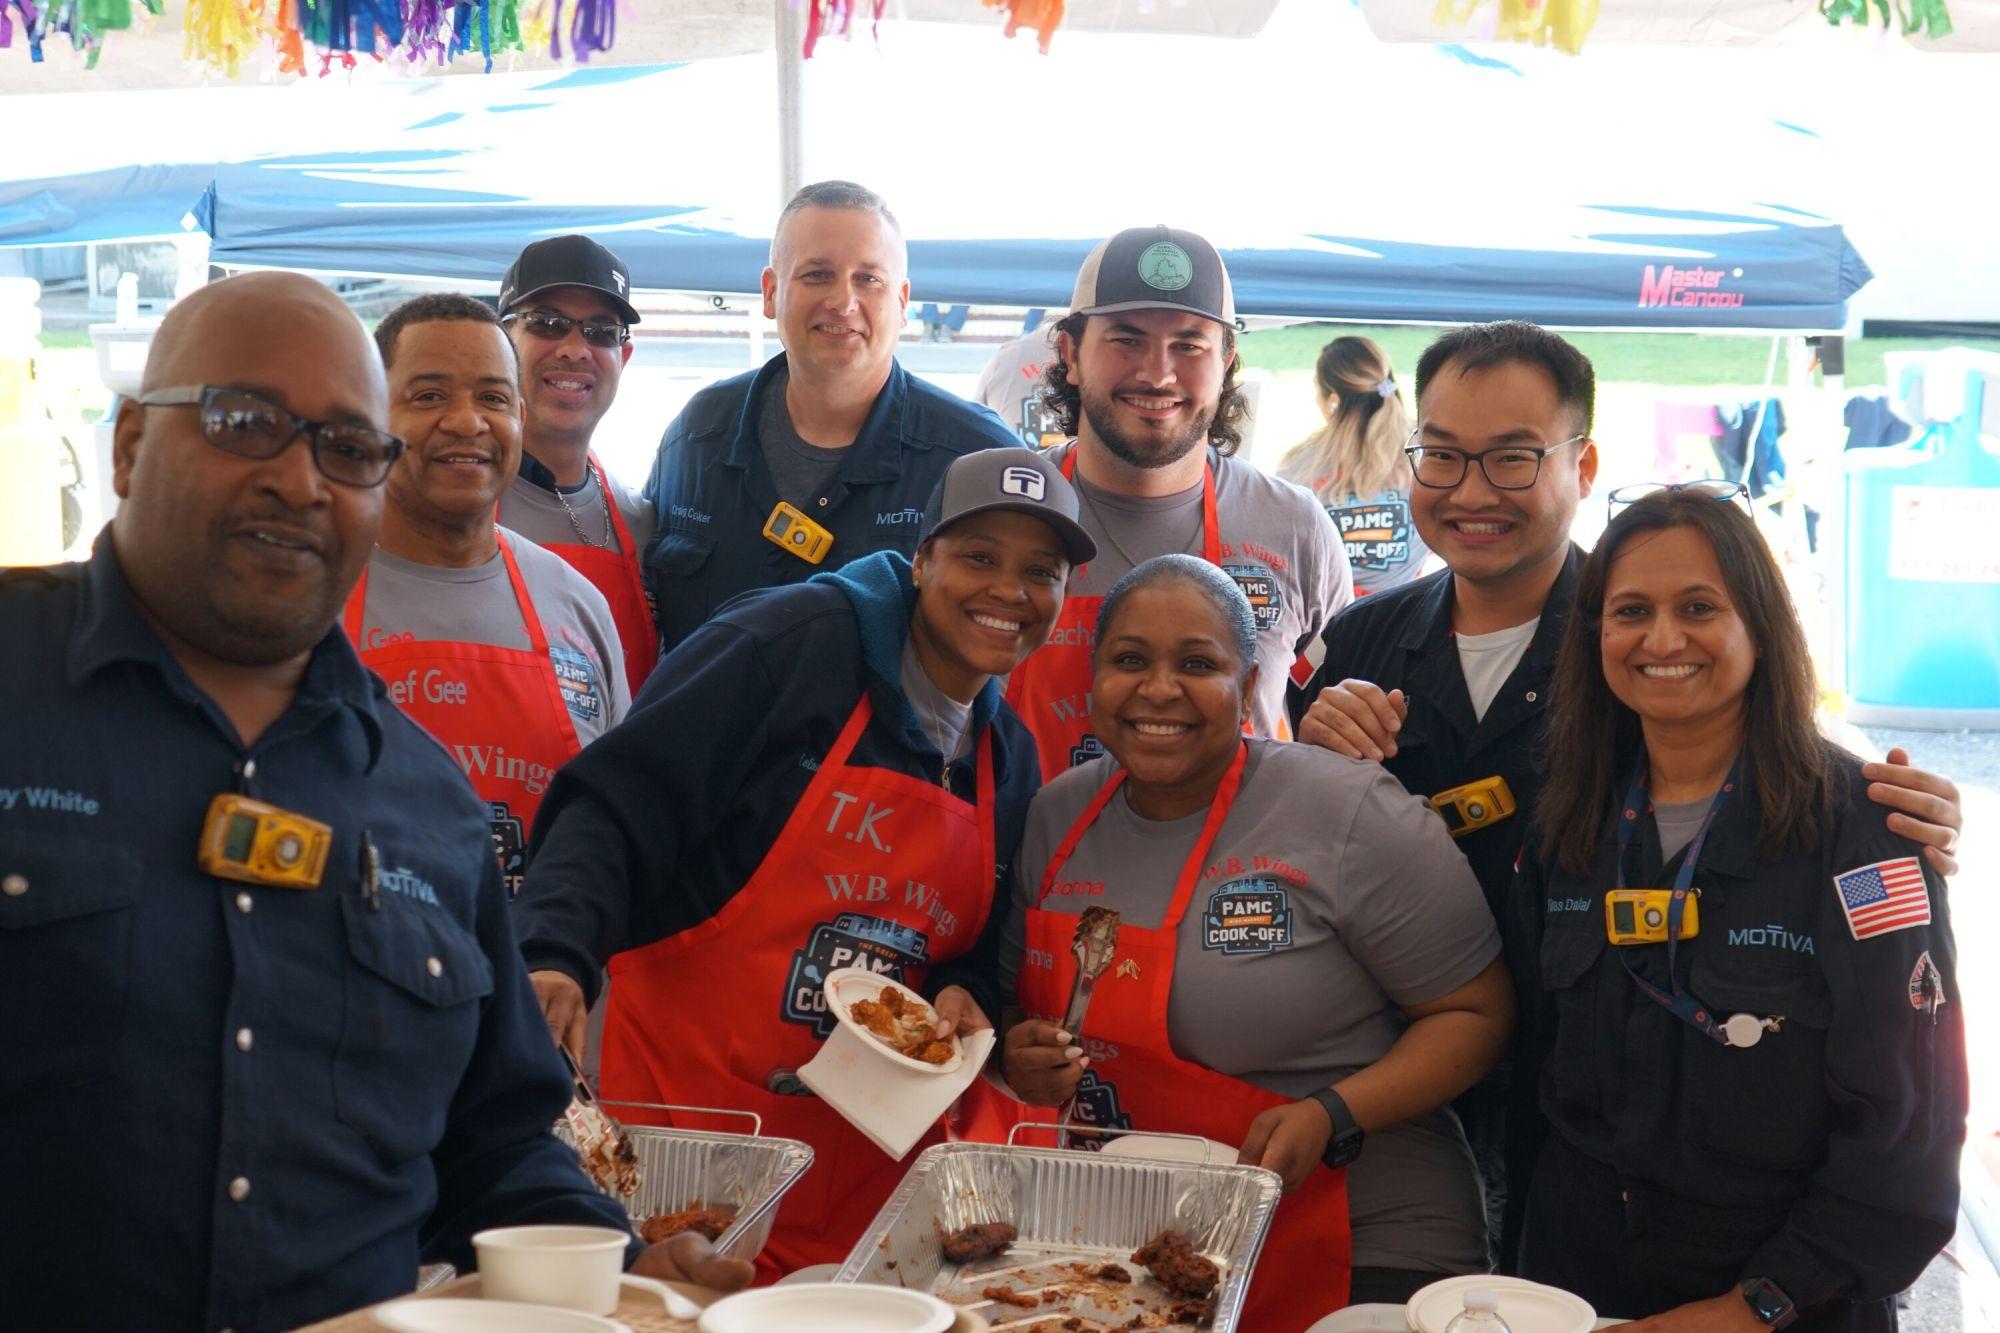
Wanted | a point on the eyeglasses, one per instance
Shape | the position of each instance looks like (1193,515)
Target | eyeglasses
(239,422)
(1513,468)
(1715,488)
(555,328)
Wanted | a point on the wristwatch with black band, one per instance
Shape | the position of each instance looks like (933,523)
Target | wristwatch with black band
(1345,1143)
(1768,1301)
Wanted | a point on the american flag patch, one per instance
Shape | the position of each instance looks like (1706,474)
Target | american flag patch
(1889,895)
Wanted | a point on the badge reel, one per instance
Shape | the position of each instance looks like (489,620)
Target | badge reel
(793,532)
(1474,805)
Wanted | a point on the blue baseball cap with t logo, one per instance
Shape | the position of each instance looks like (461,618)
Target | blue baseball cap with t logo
(1020,480)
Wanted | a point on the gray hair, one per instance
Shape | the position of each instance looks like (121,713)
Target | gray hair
(1221,592)
(834,194)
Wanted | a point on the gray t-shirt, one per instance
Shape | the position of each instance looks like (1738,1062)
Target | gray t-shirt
(1678,822)
(476,605)
(1364,923)
(1488,659)
(801,470)
(537,513)
(942,718)
(1277,543)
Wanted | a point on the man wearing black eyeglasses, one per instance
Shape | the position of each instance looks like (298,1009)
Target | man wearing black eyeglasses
(566,304)
(268,1040)
(1445,680)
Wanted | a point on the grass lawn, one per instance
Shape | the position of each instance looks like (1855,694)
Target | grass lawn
(65,340)
(1620,358)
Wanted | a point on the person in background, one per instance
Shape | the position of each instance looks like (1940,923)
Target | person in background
(1144,379)
(1355,464)
(1011,384)
(244,1084)
(830,451)
(823,775)
(1752,1059)
(566,306)
(1327,972)
(508,657)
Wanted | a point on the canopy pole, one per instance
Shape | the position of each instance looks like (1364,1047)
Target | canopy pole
(791,115)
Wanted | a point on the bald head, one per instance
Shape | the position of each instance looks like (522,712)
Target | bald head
(247,559)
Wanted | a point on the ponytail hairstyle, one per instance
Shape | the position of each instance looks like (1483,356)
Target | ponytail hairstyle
(1360,449)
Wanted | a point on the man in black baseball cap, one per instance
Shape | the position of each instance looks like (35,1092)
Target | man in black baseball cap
(566,304)
(1145,381)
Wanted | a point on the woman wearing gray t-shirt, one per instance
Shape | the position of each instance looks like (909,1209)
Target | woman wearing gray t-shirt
(1326,967)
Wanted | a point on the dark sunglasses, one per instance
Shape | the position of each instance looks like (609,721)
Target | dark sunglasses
(1715,488)
(555,328)
(239,422)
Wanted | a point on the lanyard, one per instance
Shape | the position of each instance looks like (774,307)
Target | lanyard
(1678,1002)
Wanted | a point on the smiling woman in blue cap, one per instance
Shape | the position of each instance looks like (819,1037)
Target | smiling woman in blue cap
(822,775)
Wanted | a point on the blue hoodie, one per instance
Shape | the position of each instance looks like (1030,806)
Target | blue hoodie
(656,825)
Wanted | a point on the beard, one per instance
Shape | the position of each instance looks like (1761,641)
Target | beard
(1155,452)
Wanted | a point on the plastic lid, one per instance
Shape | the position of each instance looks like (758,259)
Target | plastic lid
(1480,1300)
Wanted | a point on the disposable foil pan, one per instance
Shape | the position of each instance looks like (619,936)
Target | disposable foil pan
(1074,1211)
(687,1168)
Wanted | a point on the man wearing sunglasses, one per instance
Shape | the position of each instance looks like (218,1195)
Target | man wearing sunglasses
(504,653)
(268,1039)
(566,305)
(1444,681)
(830,451)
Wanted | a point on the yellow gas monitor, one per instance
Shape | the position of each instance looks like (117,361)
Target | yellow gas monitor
(1475,805)
(789,527)
(1639,916)
(256,843)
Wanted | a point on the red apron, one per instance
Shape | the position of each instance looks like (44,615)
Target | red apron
(1135,1081)
(873,869)
(1051,690)
(499,711)
(616,575)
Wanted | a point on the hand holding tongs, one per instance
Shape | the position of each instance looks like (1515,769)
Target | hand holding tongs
(1096,940)
(593,1113)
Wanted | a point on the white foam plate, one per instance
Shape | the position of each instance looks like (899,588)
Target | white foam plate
(851,985)
(1526,1307)
(1364,1319)
(828,1307)
(1170,1148)
(445,1315)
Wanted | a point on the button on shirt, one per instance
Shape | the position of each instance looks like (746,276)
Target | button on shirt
(227,1105)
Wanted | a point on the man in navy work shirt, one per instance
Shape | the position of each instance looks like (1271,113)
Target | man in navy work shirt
(258,1097)
(831,439)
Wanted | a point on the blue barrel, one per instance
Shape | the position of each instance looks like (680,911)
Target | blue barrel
(1923,554)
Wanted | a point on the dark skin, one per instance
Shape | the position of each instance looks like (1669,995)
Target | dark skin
(239,565)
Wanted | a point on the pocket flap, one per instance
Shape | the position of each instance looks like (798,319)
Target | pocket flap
(681,554)
(45,877)
(1764,986)
(417,950)
(1571,949)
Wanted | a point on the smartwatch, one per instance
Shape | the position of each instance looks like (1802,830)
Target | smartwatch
(1768,1301)
(1345,1144)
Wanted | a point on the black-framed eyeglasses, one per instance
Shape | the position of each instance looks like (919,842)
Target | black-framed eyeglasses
(555,328)
(1715,488)
(238,422)
(1509,468)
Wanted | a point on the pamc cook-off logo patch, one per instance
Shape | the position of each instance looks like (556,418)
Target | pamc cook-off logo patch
(1166,267)
(1248,916)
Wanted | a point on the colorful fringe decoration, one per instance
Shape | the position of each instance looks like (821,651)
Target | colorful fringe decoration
(1916,18)
(1563,24)
(836,18)
(1044,16)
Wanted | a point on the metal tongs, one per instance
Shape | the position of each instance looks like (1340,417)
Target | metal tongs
(1096,940)
(593,1112)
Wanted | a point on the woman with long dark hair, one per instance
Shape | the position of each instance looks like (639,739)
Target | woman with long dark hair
(1741,984)
(1355,465)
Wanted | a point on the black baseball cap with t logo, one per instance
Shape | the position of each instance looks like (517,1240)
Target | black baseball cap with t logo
(1155,268)
(1019,480)
(568,261)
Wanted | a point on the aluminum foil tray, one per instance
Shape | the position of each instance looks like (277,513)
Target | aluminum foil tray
(1074,1211)
(686,1168)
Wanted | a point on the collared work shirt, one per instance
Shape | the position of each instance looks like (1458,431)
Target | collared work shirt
(226,1105)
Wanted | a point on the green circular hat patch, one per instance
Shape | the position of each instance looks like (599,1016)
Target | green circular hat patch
(1166,266)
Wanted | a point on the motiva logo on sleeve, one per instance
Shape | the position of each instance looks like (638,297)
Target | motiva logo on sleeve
(1687,288)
